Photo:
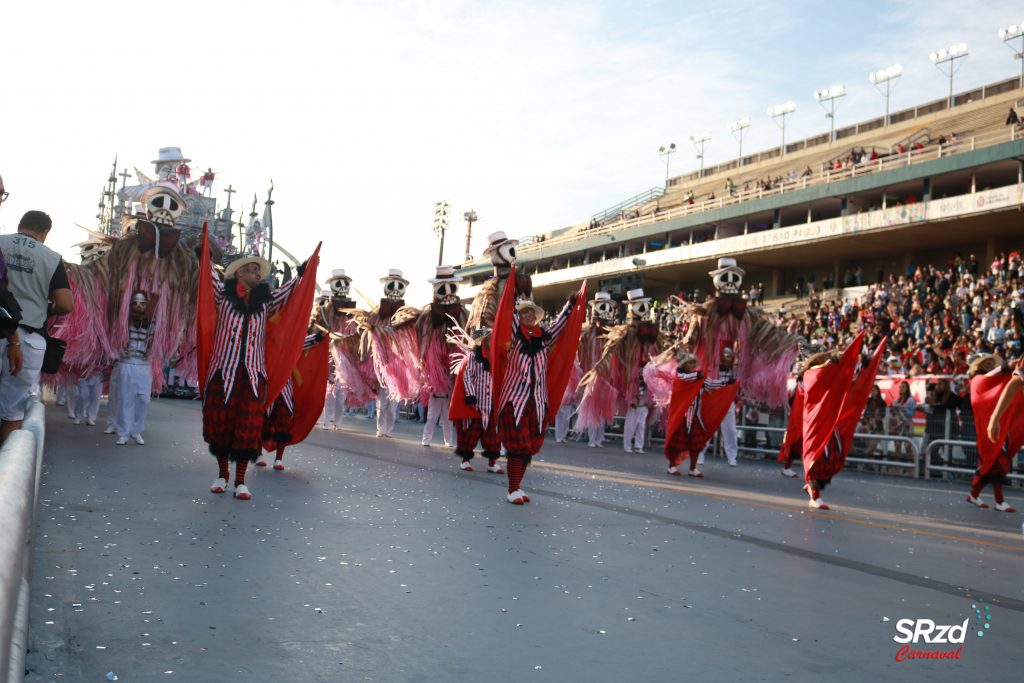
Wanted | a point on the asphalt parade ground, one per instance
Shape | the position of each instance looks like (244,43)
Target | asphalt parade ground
(379,560)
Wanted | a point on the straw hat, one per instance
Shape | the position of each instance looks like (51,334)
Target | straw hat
(233,267)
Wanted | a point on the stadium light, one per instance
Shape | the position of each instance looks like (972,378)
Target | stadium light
(667,151)
(699,140)
(737,127)
(1014,32)
(830,95)
(888,78)
(470,217)
(441,211)
(949,56)
(779,113)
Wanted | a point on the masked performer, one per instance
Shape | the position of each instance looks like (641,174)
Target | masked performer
(599,396)
(134,373)
(433,327)
(532,366)
(346,387)
(999,415)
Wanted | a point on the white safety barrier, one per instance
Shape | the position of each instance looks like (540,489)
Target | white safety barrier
(20,464)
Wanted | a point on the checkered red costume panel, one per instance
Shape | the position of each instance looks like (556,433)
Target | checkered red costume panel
(471,432)
(233,427)
(524,439)
(277,426)
(695,440)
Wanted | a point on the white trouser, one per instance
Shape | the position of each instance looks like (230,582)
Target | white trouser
(71,396)
(562,418)
(387,412)
(633,430)
(437,411)
(334,404)
(730,440)
(595,435)
(112,399)
(62,395)
(87,403)
(135,383)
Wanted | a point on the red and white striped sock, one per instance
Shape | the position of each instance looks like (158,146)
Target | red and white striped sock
(222,464)
(516,469)
(240,467)
(997,491)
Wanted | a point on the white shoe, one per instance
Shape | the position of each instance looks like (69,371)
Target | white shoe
(242,492)
(559,440)
(818,504)
(593,445)
(695,473)
(109,430)
(976,501)
(121,440)
(380,435)
(674,471)
(262,460)
(425,444)
(219,485)
(91,423)
(627,450)
(516,498)
(448,445)
(465,466)
(1004,507)
(788,472)
(639,451)
(77,421)
(732,463)
(700,461)
(138,439)
(495,469)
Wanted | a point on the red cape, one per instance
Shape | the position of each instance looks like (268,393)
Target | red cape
(562,356)
(683,395)
(795,428)
(825,389)
(985,393)
(857,398)
(309,379)
(458,409)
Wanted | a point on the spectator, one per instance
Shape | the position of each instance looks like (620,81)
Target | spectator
(901,416)
(873,421)
(39,282)
(1012,119)
(940,407)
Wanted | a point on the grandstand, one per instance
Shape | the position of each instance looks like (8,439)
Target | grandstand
(935,182)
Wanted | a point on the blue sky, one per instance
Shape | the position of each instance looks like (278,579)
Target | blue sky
(364,113)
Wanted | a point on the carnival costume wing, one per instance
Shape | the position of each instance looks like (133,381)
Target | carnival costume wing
(286,330)
(795,427)
(985,393)
(562,356)
(309,379)
(825,388)
(857,397)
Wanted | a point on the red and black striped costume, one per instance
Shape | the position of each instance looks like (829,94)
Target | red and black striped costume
(995,459)
(235,391)
(475,373)
(705,412)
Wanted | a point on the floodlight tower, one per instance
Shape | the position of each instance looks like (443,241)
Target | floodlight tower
(779,113)
(1014,32)
(949,56)
(737,127)
(830,95)
(886,77)
(699,140)
(667,151)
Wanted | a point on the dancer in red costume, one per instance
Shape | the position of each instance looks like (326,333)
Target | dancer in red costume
(531,366)
(697,408)
(793,440)
(998,405)
(834,400)
(471,405)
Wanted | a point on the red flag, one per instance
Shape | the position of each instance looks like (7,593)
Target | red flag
(309,379)
(458,409)
(857,398)
(683,395)
(563,353)
(501,335)
(206,313)
(795,428)
(985,393)
(825,388)
(286,330)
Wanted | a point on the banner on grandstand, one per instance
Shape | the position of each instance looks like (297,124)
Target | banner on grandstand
(986,200)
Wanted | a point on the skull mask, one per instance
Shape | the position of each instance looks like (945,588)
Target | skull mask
(505,254)
(728,282)
(394,290)
(164,207)
(639,310)
(446,293)
(340,288)
(606,310)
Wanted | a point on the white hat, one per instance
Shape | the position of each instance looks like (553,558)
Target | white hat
(140,297)
(602,296)
(337,274)
(445,274)
(395,274)
(726,265)
(233,267)
(636,296)
(170,154)
(497,239)
(529,303)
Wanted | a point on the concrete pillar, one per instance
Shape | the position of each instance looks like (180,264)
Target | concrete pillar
(926,194)
(774,284)
(844,206)
(776,219)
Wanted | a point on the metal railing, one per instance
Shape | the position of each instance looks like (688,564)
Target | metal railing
(645,196)
(823,175)
(929,467)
